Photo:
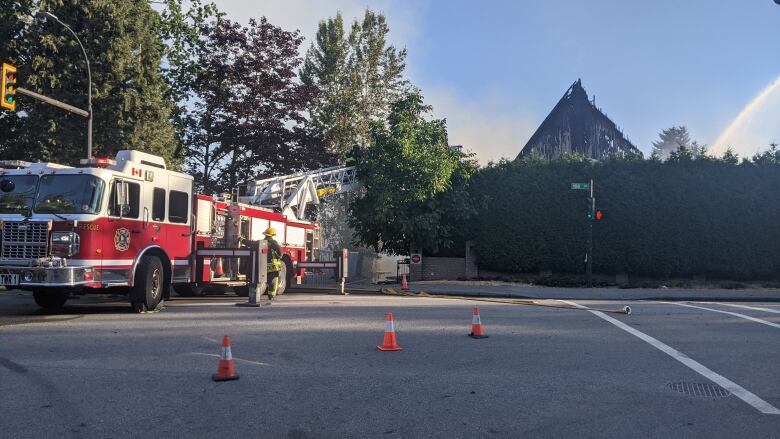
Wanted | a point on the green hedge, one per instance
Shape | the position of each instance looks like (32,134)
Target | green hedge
(676,218)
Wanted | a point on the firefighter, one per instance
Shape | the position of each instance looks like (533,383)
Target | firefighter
(274,262)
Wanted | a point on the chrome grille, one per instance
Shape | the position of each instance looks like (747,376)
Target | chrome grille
(24,240)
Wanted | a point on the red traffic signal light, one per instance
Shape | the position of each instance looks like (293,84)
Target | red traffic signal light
(599,215)
(8,91)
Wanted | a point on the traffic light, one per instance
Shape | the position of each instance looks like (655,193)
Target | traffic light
(597,215)
(8,92)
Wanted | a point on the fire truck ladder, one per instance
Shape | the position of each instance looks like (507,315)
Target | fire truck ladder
(292,193)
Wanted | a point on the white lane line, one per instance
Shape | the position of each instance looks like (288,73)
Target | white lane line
(741,393)
(735,314)
(754,308)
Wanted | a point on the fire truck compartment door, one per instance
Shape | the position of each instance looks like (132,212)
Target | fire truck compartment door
(296,236)
(258,227)
(204,218)
(281,231)
(178,239)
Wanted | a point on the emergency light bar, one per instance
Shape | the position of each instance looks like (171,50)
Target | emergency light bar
(98,162)
(14,164)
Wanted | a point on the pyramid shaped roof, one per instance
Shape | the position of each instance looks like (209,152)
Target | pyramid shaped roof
(576,125)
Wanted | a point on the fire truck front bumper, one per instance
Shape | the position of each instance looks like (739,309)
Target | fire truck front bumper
(25,277)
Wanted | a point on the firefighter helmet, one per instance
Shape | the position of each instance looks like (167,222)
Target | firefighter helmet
(270,232)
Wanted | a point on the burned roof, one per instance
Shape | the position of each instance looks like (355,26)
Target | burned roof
(576,125)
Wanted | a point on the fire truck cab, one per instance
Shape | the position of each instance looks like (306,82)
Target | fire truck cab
(129,226)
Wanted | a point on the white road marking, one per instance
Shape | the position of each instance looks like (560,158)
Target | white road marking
(754,308)
(737,390)
(735,314)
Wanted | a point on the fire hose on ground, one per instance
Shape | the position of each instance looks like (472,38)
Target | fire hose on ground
(528,302)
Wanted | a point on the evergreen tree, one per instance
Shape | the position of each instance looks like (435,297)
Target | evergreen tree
(325,66)
(130,107)
(670,140)
(360,75)
(770,156)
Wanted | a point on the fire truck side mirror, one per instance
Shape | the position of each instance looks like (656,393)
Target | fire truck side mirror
(123,197)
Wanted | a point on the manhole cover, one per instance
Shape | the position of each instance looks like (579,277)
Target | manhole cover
(703,390)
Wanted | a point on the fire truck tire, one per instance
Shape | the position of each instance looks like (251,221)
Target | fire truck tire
(189,290)
(50,299)
(150,281)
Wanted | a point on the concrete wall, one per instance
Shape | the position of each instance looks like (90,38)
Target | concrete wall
(435,268)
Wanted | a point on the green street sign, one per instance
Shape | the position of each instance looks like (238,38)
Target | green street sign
(580,186)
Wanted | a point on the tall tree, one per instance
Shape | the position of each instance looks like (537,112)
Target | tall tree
(325,66)
(243,107)
(360,75)
(184,29)
(264,130)
(675,142)
(130,107)
(405,168)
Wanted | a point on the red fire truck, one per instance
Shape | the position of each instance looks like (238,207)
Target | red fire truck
(131,226)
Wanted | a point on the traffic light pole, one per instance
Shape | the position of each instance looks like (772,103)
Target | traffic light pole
(89,78)
(591,218)
(54,102)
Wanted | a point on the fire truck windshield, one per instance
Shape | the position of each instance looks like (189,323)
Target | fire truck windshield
(69,194)
(17,193)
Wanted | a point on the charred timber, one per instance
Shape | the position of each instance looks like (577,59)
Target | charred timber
(577,126)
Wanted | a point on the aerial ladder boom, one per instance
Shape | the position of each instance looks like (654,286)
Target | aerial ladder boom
(290,194)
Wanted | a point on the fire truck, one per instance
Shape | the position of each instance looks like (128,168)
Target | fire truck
(131,226)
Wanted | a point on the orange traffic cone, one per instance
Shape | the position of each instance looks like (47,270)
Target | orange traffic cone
(404,284)
(225,369)
(389,343)
(477,331)
(218,270)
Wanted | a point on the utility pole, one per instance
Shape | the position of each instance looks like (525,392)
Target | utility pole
(45,14)
(591,218)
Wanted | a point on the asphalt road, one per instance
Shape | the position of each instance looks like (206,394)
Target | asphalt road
(309,368)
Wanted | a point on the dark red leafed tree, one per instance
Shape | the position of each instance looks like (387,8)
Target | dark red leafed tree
(246,111)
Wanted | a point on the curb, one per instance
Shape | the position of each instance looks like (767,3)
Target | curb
(616,298)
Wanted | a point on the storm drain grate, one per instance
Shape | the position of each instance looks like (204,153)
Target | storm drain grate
(703,390)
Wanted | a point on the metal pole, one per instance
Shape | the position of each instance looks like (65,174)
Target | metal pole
(592,208)
(257,278)
(89,79)
(54,102)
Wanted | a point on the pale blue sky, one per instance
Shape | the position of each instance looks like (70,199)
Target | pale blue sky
(494,69)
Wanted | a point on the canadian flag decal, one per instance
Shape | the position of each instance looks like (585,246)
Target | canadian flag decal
(136,172)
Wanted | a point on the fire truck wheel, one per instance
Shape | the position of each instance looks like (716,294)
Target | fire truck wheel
(50,299)
(148,289)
